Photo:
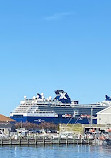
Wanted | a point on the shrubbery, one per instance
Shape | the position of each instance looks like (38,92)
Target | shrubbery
(43,125)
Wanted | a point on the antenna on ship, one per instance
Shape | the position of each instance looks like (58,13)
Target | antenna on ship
(25,97)
(34,97)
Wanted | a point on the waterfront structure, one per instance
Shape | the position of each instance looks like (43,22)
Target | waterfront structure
(58,110)
(6,125)
(104,116)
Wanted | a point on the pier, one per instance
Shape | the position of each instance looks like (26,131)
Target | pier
(44,140)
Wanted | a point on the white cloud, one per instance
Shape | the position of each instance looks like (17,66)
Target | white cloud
(58,16)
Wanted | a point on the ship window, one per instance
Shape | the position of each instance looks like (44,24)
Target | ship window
(17,116)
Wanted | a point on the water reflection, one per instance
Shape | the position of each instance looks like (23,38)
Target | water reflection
(55,151)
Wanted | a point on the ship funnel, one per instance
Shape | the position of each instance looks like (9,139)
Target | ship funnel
(50,98)
(62,96)
(107,98)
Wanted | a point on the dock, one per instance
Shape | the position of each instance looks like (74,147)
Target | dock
(44,141)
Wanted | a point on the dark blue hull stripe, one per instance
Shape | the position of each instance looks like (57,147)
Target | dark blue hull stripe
(55,120)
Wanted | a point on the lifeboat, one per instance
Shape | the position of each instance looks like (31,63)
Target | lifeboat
(88,116)
(85,116)
(68,115)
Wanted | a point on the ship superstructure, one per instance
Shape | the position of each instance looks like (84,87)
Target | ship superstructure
(58,110)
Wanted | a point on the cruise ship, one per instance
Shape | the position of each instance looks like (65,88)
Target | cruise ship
(58,110)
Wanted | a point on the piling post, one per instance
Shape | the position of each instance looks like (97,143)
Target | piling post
(81,139)
(77,141)
(44,140)
(19,141)
(1,141)
(88,140)
(52,140)
(36,140)
(66,140)
(10,140)
(73,139)
(27,140)
(59,140)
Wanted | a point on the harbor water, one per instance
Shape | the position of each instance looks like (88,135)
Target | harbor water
(55,151)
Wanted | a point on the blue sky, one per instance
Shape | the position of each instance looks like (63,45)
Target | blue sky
(50,45)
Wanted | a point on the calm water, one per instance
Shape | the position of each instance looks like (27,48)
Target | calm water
(70,151)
